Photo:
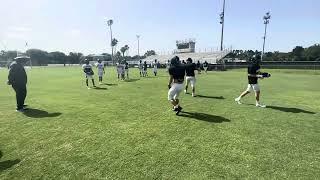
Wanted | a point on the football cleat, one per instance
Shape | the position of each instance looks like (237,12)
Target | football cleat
(261,106)
(237,100)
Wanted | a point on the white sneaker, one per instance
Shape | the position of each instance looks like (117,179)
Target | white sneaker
(261,105)
(185,91)
(88,87)
(237,100)
(193,95)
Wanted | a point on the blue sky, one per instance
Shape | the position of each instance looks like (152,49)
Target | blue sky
(80,25)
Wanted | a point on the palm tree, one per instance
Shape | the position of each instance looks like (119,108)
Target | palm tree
(124,49)
(114,44)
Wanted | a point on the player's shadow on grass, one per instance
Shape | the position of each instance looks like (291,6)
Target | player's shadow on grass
(291,110)
(100,88)
(37,113)
(210,97)
(204,117)
(7,164)
(108,84)
(131,80)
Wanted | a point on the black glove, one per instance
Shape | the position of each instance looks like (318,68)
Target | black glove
(169,86)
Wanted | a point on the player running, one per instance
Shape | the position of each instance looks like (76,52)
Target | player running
(101,71)
(253,75)
(155,67)
(177,73)
(190,76)
(205,66)
(87,69)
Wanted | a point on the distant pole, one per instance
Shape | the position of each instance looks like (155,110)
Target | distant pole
(222,23)
(138,37)
(110,23)
(266,20)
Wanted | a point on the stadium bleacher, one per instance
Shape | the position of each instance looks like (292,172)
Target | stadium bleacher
(210,57)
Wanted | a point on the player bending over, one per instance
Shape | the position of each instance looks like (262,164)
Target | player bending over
(177,73)
(190,77)
(101,71)
(253,75)
(87,69)
(155,67)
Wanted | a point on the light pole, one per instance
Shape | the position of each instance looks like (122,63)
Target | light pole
(110,22)
(222,23)
(266,20)
(138,37)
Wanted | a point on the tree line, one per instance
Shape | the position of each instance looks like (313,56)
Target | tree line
(42,58)
(299,53)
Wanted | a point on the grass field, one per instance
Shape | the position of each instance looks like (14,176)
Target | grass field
(125,130)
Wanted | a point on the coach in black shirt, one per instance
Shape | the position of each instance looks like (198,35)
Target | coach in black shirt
(17,78)
(253,75)
(177,73)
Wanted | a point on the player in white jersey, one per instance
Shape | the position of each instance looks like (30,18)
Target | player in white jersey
(101,72)
(120,71)
(87,69)
(155,67)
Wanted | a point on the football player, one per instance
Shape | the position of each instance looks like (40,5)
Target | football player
(101,71)
(205,66)
(155,67)
(140,68)
(145,69)
(253,76)
(87,69)
(190,76)
(175,85)
(126,68)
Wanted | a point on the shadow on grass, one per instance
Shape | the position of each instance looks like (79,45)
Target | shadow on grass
(8,164)
(204,117)
(100,88)
(210,97)
(291,110)
(131,80)
(37,113)
(107,84)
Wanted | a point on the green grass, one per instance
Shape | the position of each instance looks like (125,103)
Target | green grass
(127,130)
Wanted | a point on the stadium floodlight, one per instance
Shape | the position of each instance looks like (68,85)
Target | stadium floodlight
(110,23)
(222,24)
(266,21)
(138,37)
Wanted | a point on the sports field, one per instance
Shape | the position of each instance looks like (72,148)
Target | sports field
(126,130)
